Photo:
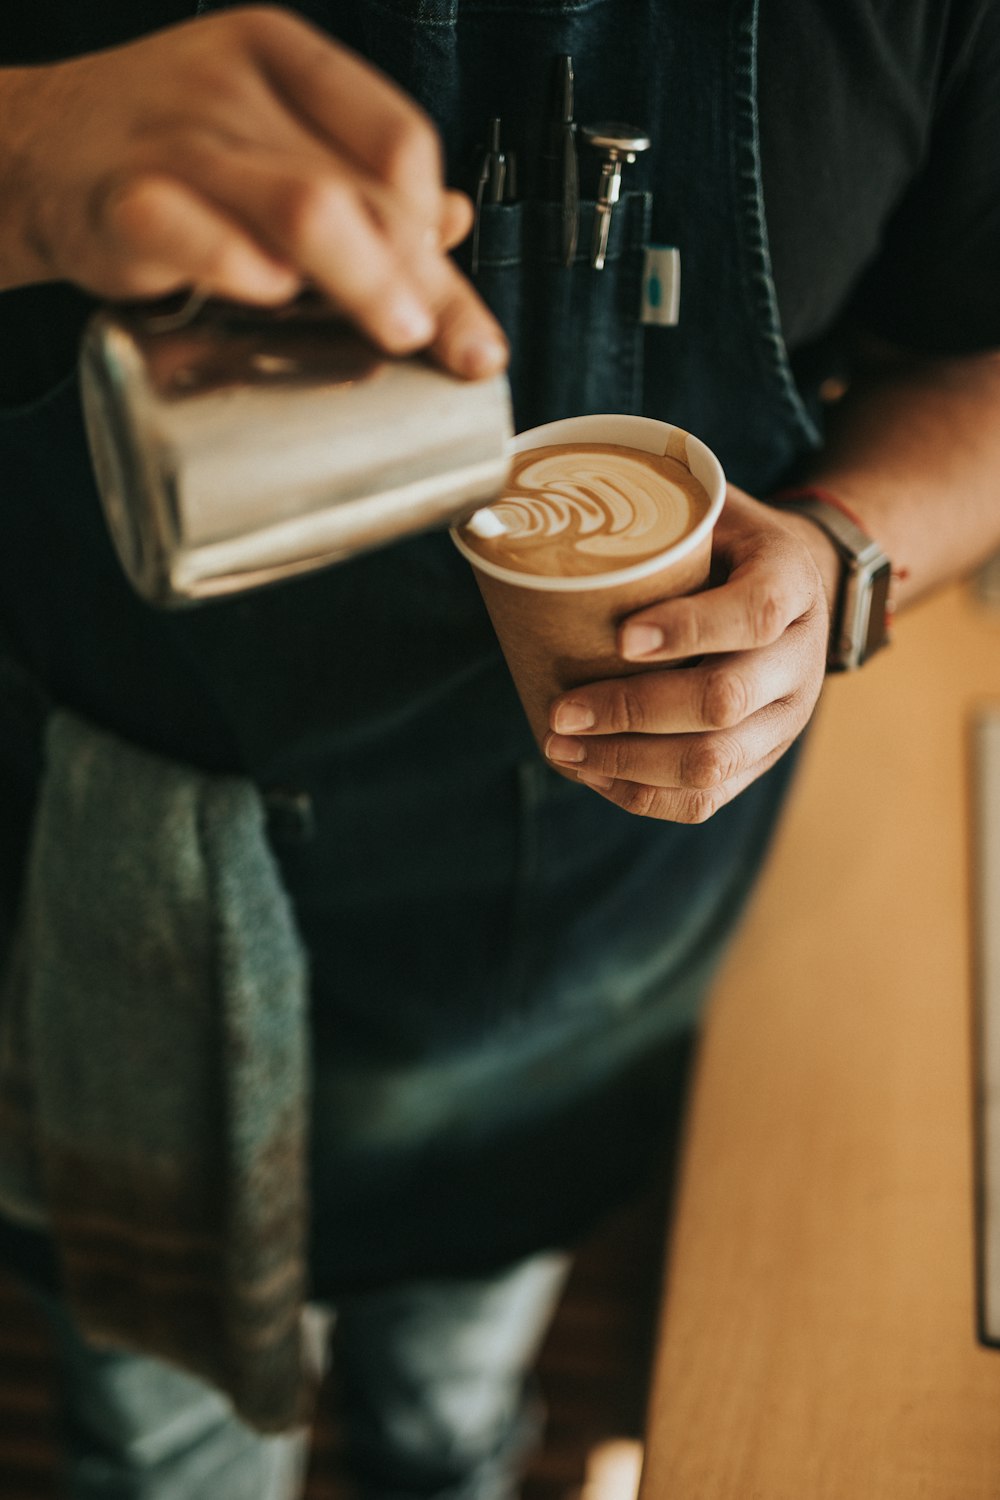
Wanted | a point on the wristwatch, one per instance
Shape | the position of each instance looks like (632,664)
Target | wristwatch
(861,610)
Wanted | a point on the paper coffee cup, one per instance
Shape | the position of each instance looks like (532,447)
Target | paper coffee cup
(560,632)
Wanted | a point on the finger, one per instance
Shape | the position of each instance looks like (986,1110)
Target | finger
(696,762)
(752,608)
(456,220)
(678,804)
(719,693)
(469,340)
(164,236)
(762,597)
(315,213)
(353,106)
(386,273)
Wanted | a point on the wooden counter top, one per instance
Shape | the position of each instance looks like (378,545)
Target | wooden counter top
(819,1333)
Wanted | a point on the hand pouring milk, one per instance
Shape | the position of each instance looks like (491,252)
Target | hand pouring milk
(236,447)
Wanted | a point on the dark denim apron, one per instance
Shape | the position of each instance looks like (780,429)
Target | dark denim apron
(502,961)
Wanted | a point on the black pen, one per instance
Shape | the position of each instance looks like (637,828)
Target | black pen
(565,185)
(496,182)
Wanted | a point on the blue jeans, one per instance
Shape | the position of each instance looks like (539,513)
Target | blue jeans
(436,1393)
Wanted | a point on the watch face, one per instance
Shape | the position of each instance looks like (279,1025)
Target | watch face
(877,631)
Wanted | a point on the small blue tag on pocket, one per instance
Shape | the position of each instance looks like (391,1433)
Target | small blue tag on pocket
(661,286)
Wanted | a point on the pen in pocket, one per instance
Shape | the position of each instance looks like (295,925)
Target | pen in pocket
(496,182)
(563,186)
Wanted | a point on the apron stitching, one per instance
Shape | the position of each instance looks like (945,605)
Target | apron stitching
(759,287)
(425,23)
(640,225)
(497,7)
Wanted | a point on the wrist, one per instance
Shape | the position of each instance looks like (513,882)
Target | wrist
(858,593)
(828,561)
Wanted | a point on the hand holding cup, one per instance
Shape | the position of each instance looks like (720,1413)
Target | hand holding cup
(604,516)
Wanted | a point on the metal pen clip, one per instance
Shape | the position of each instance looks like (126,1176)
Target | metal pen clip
(564,186)
(618,145)
(496,182)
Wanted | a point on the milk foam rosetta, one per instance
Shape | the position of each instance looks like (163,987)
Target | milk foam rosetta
(590,508)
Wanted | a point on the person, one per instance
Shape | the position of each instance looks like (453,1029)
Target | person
(503,965)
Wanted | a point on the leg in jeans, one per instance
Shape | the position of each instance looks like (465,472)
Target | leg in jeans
(436,1382)
(435,1379)
(138,1429)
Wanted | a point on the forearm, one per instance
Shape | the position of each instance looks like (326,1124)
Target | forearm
(914,450)
(20,260)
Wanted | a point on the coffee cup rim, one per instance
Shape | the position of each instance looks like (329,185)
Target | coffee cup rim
(614,427)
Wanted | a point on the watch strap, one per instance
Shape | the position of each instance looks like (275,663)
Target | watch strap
(861,611)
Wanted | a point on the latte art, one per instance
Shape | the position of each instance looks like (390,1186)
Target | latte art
(590,508)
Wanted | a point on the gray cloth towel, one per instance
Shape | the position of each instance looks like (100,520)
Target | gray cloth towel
(155,1067)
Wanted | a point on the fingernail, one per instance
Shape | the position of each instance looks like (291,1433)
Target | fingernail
(559,748)
(278,283)
(481,355)
(591,778)
(572,717)
(640,640)
(410,319)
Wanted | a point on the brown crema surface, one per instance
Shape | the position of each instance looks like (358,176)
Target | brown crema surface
(571,510)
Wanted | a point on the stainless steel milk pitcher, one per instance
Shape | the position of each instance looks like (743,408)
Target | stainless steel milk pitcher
(235,447)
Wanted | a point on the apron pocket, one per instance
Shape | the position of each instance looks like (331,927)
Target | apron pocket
(589,351)
(575,332)
(497,247)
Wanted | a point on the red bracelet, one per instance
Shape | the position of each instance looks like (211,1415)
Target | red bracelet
(817,492)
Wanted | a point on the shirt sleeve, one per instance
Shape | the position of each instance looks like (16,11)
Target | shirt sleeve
(935,286)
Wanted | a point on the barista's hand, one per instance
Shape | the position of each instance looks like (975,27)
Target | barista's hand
(246,154)
(681,743)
